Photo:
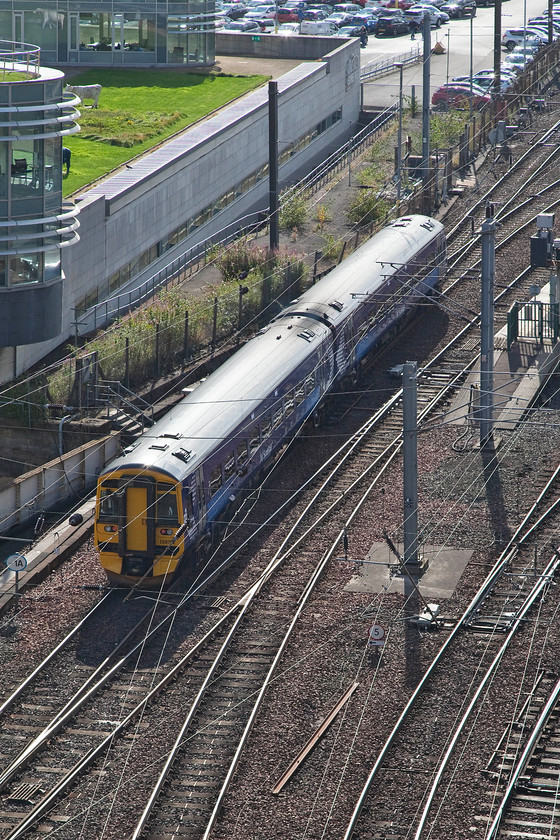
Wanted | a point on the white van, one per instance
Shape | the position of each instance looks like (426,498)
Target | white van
(317,27)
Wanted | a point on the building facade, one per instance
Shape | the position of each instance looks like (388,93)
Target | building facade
(98,33)
(35,223)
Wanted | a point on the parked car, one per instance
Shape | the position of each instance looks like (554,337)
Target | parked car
(347,8)
(339,19)
(321,7)
(368,21)
(415,15)
(286,15)
(457,95)
(354,32)
(392,22)
(460,8)
(242,26)
(318,27)
(487,82)
(313,14)
(234,11)
(512,37)
(260,12)
(542,22)
(288,29)
(516,62)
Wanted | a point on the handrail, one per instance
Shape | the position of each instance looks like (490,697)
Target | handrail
(375,69)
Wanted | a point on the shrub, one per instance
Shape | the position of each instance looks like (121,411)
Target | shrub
(293,212)
(367,207)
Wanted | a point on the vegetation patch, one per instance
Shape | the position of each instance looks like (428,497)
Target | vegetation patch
(138,108)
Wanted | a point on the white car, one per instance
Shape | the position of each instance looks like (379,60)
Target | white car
(513,37)
(416,15)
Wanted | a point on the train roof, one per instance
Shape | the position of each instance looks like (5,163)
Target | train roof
(364,271)
(182,440)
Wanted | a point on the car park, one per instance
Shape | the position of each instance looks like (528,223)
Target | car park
(320,7)
(259,12)
(458,95)
(460,8)
(392,22)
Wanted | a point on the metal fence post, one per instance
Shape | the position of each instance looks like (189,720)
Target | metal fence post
(186,337)
(214,324)
(157,350)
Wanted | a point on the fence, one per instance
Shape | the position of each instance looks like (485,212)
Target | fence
(376,69)
(55,481)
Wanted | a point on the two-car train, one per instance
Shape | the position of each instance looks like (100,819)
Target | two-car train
(161,503)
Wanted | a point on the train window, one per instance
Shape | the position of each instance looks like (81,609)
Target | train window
(289,403)
(189,506)
(276,417)
(108,507)
(309,383)
(266,425)
(215,479)
(254,439)
(166,509)
(229,466)
(300,393)
(242,453)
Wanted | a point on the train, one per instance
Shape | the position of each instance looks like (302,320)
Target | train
(162,504)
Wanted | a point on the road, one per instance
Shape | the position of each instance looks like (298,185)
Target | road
(455,62)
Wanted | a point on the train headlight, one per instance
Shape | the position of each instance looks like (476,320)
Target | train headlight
(110,528)
(166,532)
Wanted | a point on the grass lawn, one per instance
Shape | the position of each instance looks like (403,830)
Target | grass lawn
(137,110)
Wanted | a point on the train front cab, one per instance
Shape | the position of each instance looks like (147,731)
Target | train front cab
(136,522)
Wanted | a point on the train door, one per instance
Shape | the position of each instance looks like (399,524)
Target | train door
(137,519)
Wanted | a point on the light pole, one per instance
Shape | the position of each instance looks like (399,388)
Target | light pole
(471,70)
(399,65)
(447,70)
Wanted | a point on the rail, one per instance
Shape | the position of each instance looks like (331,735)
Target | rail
(376,69)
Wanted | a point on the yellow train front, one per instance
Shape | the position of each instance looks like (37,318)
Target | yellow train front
(138,529)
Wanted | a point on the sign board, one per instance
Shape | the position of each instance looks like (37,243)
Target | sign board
(16,562)
(376,635)
(255,37)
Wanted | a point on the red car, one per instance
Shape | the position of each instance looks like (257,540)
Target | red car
(456,95)
(287,15)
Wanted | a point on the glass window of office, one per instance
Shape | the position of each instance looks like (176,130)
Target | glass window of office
(133,31)
(190,36)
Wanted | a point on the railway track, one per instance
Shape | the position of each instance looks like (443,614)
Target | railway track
(221,680)
(426,774)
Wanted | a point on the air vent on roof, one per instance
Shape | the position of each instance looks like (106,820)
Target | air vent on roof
(337,304)
(161,447)
(173,435)
(183,454)
(308,335)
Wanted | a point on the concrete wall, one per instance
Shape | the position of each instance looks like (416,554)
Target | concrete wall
(300,47)
(138,206)
(55,481)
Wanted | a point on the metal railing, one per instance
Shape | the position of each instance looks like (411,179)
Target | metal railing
(19,58)
(116,395)
(375,69)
